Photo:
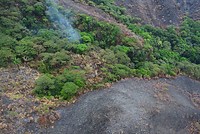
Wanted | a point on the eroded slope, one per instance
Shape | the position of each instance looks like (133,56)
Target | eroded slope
(162,12)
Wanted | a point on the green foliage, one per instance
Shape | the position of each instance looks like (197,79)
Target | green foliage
(54,60)
(122,71)
(78,48)
(76,76)
(16,24)
(25,49)
(106,34)
(169,47)
(190,69)
(59,59)
(45,85)
(7,41)
(117,71)
(6,56)
(87,38)
(69,90)
(148,69)
(116,11)
(64,85)
(123,49)
(39,8)
(122,58)
(48,34)
(109,56)
(116,56)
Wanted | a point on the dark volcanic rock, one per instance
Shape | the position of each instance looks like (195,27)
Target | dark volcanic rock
(162,12)
(132,106)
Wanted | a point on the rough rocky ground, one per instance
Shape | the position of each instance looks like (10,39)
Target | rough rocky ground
(163,106)
(162,12)
(18,106)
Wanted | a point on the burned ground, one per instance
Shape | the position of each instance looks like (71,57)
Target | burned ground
(133,106)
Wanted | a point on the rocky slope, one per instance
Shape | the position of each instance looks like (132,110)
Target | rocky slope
(162,12)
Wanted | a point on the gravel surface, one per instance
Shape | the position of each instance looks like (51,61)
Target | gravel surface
(162,106)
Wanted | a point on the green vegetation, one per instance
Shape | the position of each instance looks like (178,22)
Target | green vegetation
(28,36)
(117,12)
(65,85)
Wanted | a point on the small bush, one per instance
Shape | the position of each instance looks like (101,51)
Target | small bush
(79,48)
(52,60)
(122,70)
(148,69)
(6,56)
(117,71)
(80,82)
(109,56)
(190,69)
(123,49)
(86,37)
(69,90)
(143,73)
(45,85)
(122,58)
(76,76)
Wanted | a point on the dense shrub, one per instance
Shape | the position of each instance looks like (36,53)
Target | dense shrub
(52,60)
(121,48)
(116,56)
(6,56)
(78,48)
(64,85)
(69,90)
(105,33)
(117,71)
(109,56)
(190,69)
(122,58)
(148,69)
(87,37)
(76,76)
(45,85)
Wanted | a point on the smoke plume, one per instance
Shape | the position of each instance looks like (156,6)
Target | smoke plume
(61,21)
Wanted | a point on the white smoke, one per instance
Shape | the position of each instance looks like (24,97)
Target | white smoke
(61,21)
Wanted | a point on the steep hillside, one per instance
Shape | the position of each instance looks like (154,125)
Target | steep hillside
(162,12)
(100,15)
(53,51)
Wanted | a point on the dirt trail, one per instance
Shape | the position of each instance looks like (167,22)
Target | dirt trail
(100,15)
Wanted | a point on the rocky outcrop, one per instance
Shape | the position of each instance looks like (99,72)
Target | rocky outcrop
(162,12)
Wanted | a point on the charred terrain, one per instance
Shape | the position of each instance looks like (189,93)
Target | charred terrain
(162,12)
